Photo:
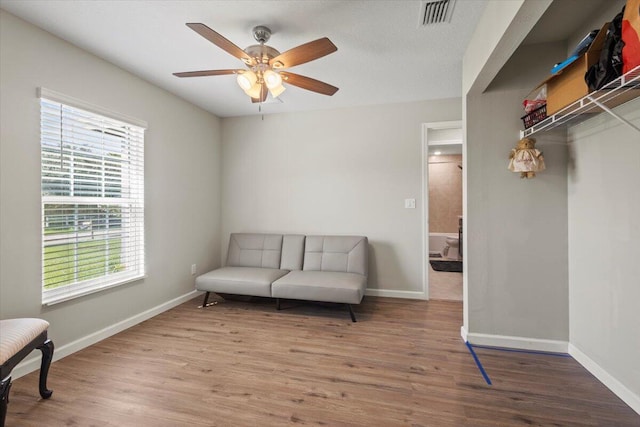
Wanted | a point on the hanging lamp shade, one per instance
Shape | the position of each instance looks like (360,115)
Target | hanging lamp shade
(247,80)
(255,91)
(277,91)
(272,79)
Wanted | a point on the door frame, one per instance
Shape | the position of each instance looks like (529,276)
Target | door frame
(453,124)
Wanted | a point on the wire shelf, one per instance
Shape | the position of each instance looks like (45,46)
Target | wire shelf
(617,92)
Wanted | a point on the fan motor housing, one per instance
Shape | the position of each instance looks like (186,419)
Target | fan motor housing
(262,53)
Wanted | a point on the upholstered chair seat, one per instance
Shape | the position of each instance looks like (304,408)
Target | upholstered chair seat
(18,338)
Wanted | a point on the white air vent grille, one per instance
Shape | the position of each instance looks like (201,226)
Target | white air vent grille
(436,12)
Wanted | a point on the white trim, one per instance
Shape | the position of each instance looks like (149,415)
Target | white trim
(453,124)
(448,142)
(463,333)
(390,293)
(520,343)
(63,294)
(619,389)
(425,213)
(75,102)
(32,364)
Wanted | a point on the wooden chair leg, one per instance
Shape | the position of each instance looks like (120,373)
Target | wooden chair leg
(47,356)
(5,386)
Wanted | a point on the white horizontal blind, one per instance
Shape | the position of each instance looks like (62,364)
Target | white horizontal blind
(92,170)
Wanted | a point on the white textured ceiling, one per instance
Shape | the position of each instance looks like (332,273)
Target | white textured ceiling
(384,55)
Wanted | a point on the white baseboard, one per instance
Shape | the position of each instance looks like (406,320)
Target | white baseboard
(394,294)
(520,343)
(619,389)
(29,365)
(464,334)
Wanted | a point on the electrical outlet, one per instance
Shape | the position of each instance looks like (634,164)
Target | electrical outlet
(409,203)
(193,269)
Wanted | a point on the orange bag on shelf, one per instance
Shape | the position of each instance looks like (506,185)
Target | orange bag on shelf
(631,35)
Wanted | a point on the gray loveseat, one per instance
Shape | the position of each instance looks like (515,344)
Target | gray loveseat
(313,268)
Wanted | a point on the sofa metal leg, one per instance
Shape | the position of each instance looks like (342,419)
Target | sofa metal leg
(206,298)
(47,356)
(277,303)
(353,316)
(205,303)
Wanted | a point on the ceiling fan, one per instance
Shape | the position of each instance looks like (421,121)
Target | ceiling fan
(264,64)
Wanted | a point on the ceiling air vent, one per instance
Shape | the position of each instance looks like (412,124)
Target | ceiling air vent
(436,12)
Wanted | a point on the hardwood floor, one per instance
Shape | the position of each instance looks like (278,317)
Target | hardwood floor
(245,364)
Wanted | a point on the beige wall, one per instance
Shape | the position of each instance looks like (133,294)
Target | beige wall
(182,182)
(445,193)
(344,171)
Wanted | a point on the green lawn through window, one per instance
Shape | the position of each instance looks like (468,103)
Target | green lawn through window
(92,262)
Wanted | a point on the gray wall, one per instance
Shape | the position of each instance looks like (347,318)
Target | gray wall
(604,231)
(182,180)
(517,229)
(604,244)
(580,279)
(343,171)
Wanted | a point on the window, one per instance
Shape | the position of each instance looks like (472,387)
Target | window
(92,171)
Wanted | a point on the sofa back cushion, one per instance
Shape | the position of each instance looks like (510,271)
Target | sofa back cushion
(254,250)
(348,254)
(292,252)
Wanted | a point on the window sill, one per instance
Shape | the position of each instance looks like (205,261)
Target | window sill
(58,295)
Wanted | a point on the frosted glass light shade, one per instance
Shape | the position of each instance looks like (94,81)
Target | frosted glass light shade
(272,79)
(255,91)
(246,80)
(277,91)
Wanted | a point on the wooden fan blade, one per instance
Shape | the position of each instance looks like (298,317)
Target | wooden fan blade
(308,83)
(303,53)
(263,94)
(220,41)
(205,73)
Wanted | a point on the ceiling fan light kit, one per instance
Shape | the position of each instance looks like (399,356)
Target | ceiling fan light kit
(255,91)
(277,91)
(264,64)
(246,80)
(272,79)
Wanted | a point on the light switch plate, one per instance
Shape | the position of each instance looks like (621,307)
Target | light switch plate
(409,203)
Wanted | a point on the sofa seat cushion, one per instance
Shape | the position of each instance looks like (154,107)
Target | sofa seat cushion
(255,281)
(326,286)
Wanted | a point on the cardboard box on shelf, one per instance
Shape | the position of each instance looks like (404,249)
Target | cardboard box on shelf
(568,84)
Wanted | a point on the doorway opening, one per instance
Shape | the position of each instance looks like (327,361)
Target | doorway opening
(442,210)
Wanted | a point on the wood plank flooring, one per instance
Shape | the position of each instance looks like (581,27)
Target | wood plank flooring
(242,363)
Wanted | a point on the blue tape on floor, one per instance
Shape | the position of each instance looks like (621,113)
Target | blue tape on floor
(475,357)
(515,350)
